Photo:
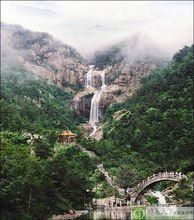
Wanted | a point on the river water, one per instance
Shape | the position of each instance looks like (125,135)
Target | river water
(109,215)
(125,214)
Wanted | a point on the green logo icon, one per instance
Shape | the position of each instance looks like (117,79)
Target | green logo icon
(138,213)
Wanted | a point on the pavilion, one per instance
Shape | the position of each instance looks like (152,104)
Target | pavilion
(67,137)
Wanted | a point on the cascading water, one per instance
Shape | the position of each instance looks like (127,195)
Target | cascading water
(89,77)
(103,78)
(94,109)
(160,196)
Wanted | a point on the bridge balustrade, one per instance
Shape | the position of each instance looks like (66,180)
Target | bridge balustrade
(175,176)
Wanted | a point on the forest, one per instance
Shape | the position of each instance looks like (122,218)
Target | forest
(154,132)
(40,178)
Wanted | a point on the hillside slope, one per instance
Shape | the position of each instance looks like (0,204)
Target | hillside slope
(38,172)
(151,131)
(135,49)
(63,66)
(124,64)
(42,54)
(32,104)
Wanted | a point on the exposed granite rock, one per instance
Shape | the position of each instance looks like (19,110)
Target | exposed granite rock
(87,129)
(82,102)
(121,81)
(99,134)
(47,57)
(119,114)
(64,66)
(126,80)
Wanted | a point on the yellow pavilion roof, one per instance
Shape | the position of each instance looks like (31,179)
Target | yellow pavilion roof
(68,133)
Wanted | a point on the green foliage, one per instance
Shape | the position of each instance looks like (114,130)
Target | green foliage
(183,193)
(22,176)
(38,181)
(43,148)
(36,187)
(76,87)
(127,176)
(152,200)
(104,190)
(34,105)
(155,134)
(110,57)
(63,168)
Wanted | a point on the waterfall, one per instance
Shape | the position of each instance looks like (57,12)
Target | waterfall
(103,78)
(89,77)
(94,109)
(161,198)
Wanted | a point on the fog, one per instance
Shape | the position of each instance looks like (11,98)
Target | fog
(92,25)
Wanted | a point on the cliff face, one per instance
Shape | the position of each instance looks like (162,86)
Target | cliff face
(124,64)
(121,81)
(45,56)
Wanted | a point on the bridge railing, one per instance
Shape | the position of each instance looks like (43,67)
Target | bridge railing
(158,176)
(155,177)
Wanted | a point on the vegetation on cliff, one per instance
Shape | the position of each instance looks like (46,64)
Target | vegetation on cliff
(37,180)
(36,187)
(136,49)
(32,104)
(155,132)
(40,178)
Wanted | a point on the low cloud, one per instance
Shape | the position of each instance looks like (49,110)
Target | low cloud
(89,26)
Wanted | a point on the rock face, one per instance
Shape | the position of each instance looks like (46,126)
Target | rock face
(45,56)
(119,114)
(124,65)
(121,80)
(82,102)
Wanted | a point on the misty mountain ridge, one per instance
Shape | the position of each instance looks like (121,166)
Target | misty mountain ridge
(41,54)
(137,48)
(132,48)
(22,39)
(125,62)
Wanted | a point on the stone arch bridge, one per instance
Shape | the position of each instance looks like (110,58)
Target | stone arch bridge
(166,176)
(136,190)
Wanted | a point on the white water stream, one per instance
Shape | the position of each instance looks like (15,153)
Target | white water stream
(89,77)
(160,197)
(94,109)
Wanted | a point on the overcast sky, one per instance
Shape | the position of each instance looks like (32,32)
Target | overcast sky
(89,25)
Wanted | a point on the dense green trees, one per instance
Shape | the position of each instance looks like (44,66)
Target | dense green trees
(158,123)
(155,134)
(183,193)
(35,187)
(21,177)
(38,180)
(30,103)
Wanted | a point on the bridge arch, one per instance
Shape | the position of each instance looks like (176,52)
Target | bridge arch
(167,176)
(135,191)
